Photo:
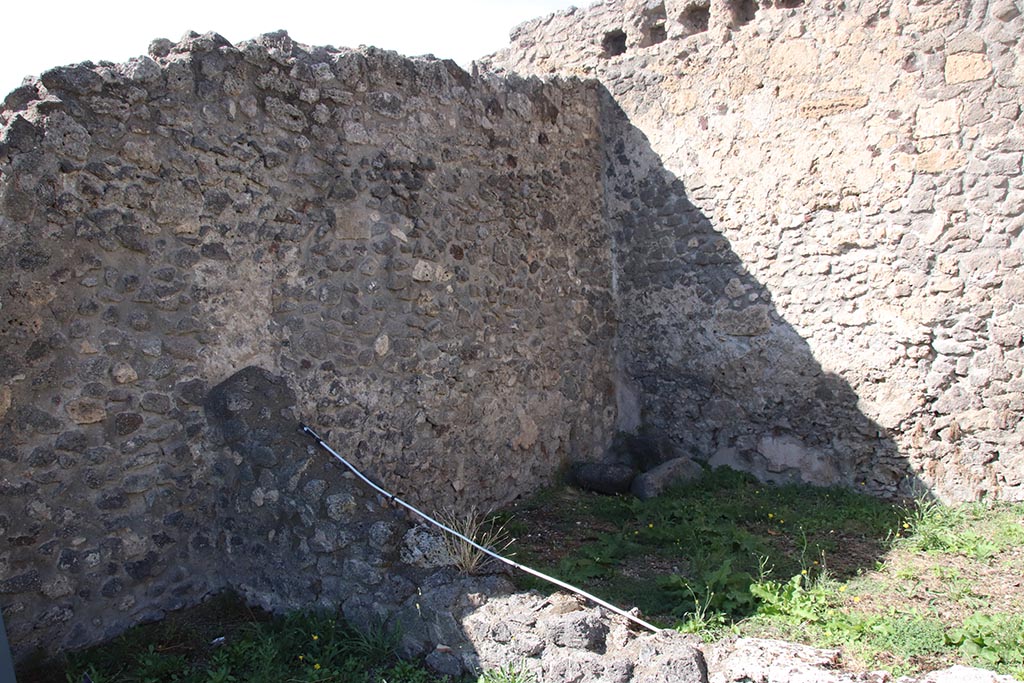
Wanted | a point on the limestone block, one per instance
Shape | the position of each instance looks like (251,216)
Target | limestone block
(788,453)
(652,484)
(942,118)
(423,271)
(1004,10)
(123,373)
(793,59)
(820,108)
(86,411)
(967,66)
(938,160)
(966,41)
(353,221)
(5,401)
(951,347)
(747,322)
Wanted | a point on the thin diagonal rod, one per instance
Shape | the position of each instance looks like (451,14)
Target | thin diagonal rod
(540,575)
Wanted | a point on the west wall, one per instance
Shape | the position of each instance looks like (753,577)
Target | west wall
(205,245)
(817,211)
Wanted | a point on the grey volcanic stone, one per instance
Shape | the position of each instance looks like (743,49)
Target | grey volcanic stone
(653,483)
(566,642)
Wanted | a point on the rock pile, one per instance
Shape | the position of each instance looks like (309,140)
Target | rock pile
(559,639)
(644,464)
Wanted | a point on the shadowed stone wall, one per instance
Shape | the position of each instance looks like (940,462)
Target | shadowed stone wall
(818,210)
(787,236)
(418,256)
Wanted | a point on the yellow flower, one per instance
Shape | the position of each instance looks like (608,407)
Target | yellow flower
(301,657)
(804,572)
(856,598)
(771,515)
(317,666)
(650,526)
(906,525)
(842,588)
(316,637)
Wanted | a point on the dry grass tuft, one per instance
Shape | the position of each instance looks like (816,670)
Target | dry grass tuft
(483,528)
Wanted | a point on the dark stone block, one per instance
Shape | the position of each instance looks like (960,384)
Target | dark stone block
(21,96)
(35,419)
(193,391)
(156,403)
(251,411)
(127,423)
(602,477)
(182,348)
(79,79)
(112,588)
(22,583)
(644,450)
(68,560)
(112,501)
(74,442)
(42,457)
(144,568)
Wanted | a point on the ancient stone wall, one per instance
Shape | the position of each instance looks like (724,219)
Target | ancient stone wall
(786,235)
(409,258)
(818,215)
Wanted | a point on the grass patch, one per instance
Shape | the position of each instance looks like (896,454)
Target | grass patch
(903,587)
(701,546)
(224,641)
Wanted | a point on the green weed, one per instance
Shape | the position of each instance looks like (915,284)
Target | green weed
(992,640)
(701,559)
(798,598)
(514,672)
(972,530)
(299,648)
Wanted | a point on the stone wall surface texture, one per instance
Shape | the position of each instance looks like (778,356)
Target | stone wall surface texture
(817,211)
(205,245)
(786,236)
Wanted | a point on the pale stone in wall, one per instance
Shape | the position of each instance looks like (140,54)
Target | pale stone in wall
(942,118)
(965,67)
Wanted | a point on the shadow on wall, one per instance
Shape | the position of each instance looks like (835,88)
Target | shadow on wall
(708,358)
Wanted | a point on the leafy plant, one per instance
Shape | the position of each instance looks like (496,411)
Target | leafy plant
(797,599)
(994,640)
(719,588)
(702,620)
(513,672)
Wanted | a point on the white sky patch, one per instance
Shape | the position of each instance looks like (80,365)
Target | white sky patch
(39,36)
